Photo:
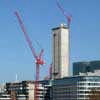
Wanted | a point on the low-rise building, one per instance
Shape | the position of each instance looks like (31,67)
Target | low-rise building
(74,88)
(5,96)
(25,90)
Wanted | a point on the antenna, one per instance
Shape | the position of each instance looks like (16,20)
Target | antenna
(16,77)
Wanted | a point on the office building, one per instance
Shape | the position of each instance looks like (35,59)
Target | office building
(60,52)
(5,96)
(25,90)
(21,90)
(47,84)
(86,68)
(74,88)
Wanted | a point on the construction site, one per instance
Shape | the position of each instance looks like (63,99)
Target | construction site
(37,89)
(58,84)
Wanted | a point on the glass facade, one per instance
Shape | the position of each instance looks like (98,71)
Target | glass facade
(74,88)
(85,67)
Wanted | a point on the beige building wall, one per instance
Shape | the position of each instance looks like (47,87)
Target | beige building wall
(31,91)
(31,88)
(60,52)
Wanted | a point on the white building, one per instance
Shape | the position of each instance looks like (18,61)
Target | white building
(24,90)
(60,52)
(5,96)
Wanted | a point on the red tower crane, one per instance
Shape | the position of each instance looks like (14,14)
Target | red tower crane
(66,14)
(48,77)
(38,58)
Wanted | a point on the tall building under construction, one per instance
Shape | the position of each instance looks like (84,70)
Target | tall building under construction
(62,86)
(60,52)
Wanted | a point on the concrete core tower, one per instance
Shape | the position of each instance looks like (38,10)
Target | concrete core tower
(60,67)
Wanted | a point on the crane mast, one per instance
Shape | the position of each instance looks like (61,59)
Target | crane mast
(48,77)
(38,58)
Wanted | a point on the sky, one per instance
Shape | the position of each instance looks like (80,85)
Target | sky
(39,17)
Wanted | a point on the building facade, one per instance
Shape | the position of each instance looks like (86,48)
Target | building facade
(86,68)
(25,90)
(5,96)
(21,90)
(74,88)
(60,50)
